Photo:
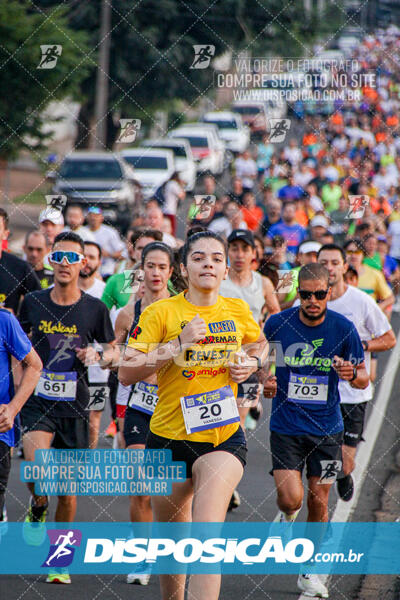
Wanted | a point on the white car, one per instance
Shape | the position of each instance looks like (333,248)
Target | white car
(205,150)
(184,161)
(152,167)
(231,129)
(218,141)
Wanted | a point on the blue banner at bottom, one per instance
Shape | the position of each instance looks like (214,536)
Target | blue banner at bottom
(248,548)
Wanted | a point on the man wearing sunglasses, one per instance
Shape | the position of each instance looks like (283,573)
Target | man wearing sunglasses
(315,348)
(377,336)
(64,322)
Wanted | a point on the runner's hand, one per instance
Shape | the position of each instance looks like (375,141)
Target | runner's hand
(88,356)
(242,370)
(194,331)
(270,386)
(6,418)
(343,368)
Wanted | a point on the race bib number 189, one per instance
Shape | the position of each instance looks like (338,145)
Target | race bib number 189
(209,410)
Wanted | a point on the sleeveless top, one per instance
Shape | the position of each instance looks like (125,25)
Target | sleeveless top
(252,294)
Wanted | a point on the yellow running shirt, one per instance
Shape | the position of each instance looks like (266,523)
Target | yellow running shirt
(202,367)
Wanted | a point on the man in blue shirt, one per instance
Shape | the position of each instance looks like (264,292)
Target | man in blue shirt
(293,233)
(13,342)
(315,347)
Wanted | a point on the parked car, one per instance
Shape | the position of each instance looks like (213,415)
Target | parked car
(218,141)
(205,150)
(254,115)
(152,166)
(184,161)
(231,129)
(98,179)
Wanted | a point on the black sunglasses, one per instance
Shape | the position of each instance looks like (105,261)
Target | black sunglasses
(319,294)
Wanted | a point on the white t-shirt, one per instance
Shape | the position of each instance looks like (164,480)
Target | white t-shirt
(108,239)
(245,169)
(95,373)
(83,232)
(223,226)
(394,232)
(171,193)
(370,322)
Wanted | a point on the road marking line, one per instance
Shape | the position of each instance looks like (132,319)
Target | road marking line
(344,510)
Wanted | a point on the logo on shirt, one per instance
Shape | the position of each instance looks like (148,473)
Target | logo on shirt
(2,298)
(203,373)
(307,358)
(220,326)
(137,331)
(50,327)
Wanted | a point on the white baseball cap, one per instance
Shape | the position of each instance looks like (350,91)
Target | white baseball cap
(51,214)
(307,247)
(319,221)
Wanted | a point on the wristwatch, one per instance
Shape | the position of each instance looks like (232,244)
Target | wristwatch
(354,374)
(365,345)
(259,361)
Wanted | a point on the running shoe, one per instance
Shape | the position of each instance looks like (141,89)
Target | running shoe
(34,528)
(142,577)
(61,576)
(4,522)
(345,488)
(284,518)
(111,430)
(311,585)
(234,501)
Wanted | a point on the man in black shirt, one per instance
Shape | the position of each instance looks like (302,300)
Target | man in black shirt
(16,276)
(64,322)
(35,249)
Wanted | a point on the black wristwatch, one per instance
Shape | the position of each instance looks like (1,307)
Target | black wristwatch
(365,345)
(354,374)
(259,361)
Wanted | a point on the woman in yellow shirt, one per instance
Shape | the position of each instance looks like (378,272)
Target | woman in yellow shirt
(193,342)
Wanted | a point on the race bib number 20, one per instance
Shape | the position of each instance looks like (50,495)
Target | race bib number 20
(209,410)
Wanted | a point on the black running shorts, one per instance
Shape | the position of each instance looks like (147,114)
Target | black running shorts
(69,432)
(136,426)
(353,420)
(189,452)
(321,455)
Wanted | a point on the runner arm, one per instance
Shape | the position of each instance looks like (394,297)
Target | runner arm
(271,300)
(137,366)
(32,367)
(382,342)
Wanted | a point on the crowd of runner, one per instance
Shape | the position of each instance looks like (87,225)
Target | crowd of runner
(281,289)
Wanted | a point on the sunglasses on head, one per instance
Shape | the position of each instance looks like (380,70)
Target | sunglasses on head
(319,294)
(72,257)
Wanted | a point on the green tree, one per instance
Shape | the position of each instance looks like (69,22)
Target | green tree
(27,90)
(152,48)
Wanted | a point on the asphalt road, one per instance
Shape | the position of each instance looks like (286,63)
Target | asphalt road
(258,504)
